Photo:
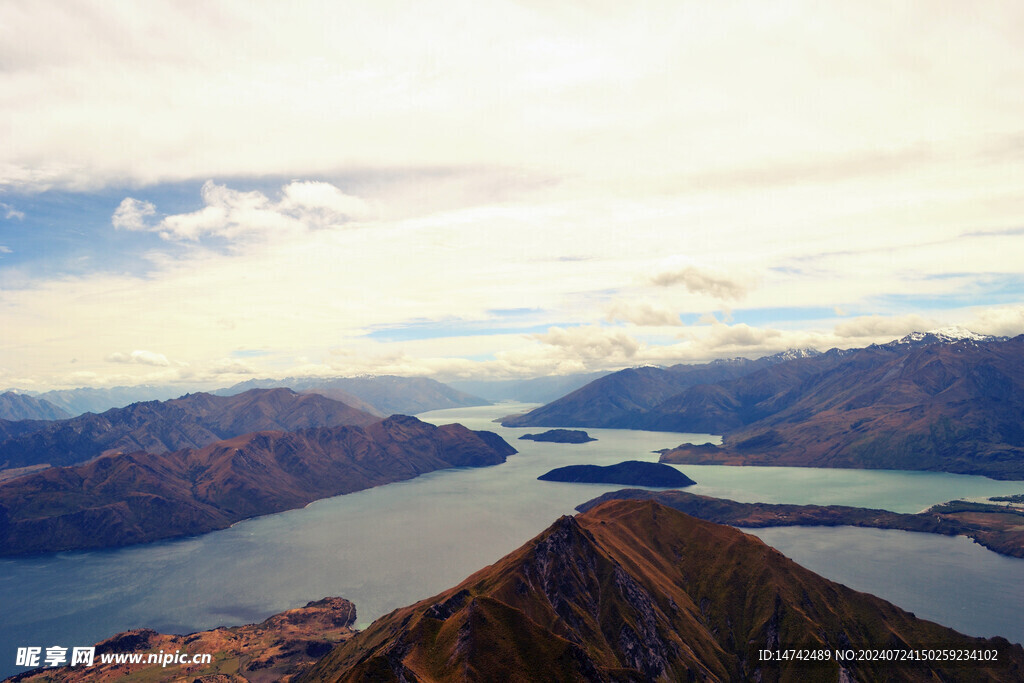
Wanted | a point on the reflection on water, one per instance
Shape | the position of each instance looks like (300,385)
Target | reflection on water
(390,546)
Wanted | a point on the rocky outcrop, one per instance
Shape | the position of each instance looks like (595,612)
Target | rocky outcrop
(276,649)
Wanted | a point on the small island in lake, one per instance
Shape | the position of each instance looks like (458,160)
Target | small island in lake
(560,436)
(629,473)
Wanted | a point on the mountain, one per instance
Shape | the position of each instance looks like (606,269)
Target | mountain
(619,399)
(97,400)
(192,421)
(139,497)
(945,400)
(944,335)
(533,390)
(952,406)
(385,394)
(276,649)
(635,591)
(15,406)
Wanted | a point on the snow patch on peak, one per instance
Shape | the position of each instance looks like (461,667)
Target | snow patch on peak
(793,354)
(945,335)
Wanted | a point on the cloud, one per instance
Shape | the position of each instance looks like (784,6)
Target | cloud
(131,214)
(5,250)
(642,313)
(232,214)
(889,327)
(704,281)
(741,335)
(140,357)
(324,199)
(10,212)
(1005,321)
(590,343)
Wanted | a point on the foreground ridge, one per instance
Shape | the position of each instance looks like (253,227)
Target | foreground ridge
(635,591)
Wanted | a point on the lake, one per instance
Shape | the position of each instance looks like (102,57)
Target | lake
(387,547)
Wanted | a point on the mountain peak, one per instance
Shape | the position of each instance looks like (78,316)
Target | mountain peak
(944,335)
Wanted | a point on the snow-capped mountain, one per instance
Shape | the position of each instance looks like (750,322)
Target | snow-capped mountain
(944,335)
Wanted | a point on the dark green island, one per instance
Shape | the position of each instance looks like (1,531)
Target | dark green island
(560,436)
(629,473)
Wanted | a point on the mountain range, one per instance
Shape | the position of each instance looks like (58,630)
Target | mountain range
(131,498)
(380,394)
(16,406)
(635,591)
(618,400)
(930,401)
(533,390)
(192,421)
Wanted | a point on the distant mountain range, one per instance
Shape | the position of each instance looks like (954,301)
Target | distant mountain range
(937,401)
(381,394)
(618,400)
(635,591)
(119,500)
(98,399)
(15,406)
(192,421)
(533,390)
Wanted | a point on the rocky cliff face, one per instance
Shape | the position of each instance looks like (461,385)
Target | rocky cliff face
(123,499)
(276,649)
(634,591)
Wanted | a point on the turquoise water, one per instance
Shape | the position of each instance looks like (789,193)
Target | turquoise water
(390,546)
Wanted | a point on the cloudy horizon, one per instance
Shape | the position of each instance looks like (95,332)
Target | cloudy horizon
(199,194)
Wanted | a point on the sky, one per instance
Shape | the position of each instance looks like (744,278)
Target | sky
(199,193)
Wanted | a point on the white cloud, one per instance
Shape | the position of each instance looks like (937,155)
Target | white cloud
(141,357)
(10,212)
(233,214)
(1005,321)
(887,327)
(591,343)
(131,214)
(704,281)
(642,313)
(324,199)
(5,250)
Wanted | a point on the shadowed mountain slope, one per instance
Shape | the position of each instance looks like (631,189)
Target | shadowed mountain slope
(635,591)
(949,407)
(929,401)
(191,421)
(125,499)
(619,399)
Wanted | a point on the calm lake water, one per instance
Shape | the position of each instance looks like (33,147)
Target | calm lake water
(390,546)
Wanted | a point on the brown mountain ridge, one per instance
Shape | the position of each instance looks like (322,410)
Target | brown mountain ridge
(192,421)
(948,406)
(119,500)
(635,591)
